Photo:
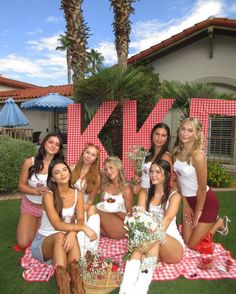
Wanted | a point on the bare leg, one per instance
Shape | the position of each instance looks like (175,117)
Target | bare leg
(198,233)
(26,229)
(52,249)
(171,251)
(111,225)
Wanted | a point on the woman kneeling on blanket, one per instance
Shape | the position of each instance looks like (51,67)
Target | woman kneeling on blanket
(56,239)
(162,201)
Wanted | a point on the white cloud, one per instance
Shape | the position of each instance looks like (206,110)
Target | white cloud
(147,34)
(233,8)
(108,51)
(50,67)
(49,43)
(36,32)
(53,19)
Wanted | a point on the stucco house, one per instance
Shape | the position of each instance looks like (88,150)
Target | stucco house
(204,52)
(40,121)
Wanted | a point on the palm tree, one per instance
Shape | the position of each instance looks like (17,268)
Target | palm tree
(94,62)
(121,27)
(118,83)
(183,92)
(77,34)
(64,46)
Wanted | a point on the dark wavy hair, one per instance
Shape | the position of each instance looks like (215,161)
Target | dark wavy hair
(164,148)
(165,166)
(52,185)
(38,161)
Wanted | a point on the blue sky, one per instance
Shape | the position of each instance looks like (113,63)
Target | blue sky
(29,30)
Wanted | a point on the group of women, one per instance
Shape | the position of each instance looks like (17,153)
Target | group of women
(64,223)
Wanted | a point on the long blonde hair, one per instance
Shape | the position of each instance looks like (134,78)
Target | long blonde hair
(92,177)
(198,143)
(117,164)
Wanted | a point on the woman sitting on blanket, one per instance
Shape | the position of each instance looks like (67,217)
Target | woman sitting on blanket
(32,182)
(200,204)
(163,201)
(115,187)
(86,178)
(56,239)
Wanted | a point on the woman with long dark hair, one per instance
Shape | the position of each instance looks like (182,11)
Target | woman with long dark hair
(32,182)
(164,202)
(160,139)
(56,241)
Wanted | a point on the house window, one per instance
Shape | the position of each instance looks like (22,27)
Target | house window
(221,137)
(62,122)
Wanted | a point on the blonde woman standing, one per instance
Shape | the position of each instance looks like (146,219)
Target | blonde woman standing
(200,204)
(114,186)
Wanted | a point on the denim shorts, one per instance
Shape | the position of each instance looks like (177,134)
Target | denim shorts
(36,249)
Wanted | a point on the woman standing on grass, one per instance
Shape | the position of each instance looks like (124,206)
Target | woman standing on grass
(160,139)
(200,204)
(56,240)
(163,202)
(32,182)
(86,178)
(114,186)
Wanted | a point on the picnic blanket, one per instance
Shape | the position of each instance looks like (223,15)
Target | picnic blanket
(115,249)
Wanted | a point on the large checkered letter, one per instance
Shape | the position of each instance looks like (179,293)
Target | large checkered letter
(75,140)
(202,108)
(142,138)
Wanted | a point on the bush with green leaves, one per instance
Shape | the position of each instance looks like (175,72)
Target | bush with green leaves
(12,154)
(217,176)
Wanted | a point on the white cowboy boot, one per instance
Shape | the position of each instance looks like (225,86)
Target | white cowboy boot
(94,223)
(145,275)
(130,276)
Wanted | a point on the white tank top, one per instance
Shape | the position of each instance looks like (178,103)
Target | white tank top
(119,198)
(36,181)
(187,177)
(46,228)
(145,179)
(81,186)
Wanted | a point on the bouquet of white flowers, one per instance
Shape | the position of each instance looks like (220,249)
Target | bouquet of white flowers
(143,229)
(136,156)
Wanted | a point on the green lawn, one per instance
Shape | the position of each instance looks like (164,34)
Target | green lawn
(11,280)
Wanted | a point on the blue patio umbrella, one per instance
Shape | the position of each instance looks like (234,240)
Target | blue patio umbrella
(53,102)
(11,115)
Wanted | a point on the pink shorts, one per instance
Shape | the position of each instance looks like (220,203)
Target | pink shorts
(29,207)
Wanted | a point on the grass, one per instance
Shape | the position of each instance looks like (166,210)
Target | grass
(11,280)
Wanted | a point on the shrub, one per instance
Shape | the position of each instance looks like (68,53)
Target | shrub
(218,176)
(13,152)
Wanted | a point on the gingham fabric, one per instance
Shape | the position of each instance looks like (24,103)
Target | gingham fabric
(35,271)
(115,249)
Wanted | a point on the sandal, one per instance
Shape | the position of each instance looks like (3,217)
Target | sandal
(225,230)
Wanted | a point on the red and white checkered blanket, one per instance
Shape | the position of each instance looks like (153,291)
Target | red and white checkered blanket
(115,249)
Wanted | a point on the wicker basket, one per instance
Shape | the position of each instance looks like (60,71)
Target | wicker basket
(110,282)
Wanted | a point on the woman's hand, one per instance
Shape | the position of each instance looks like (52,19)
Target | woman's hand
(90,233)
(187,214)
(68,241)
(197,214)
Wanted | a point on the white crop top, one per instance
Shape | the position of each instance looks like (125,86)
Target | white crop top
(187,177)
(36,181)
(46,228)
(81,186)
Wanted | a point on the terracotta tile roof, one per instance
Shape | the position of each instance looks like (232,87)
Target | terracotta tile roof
(15,83)
(25,94)
(221,23)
